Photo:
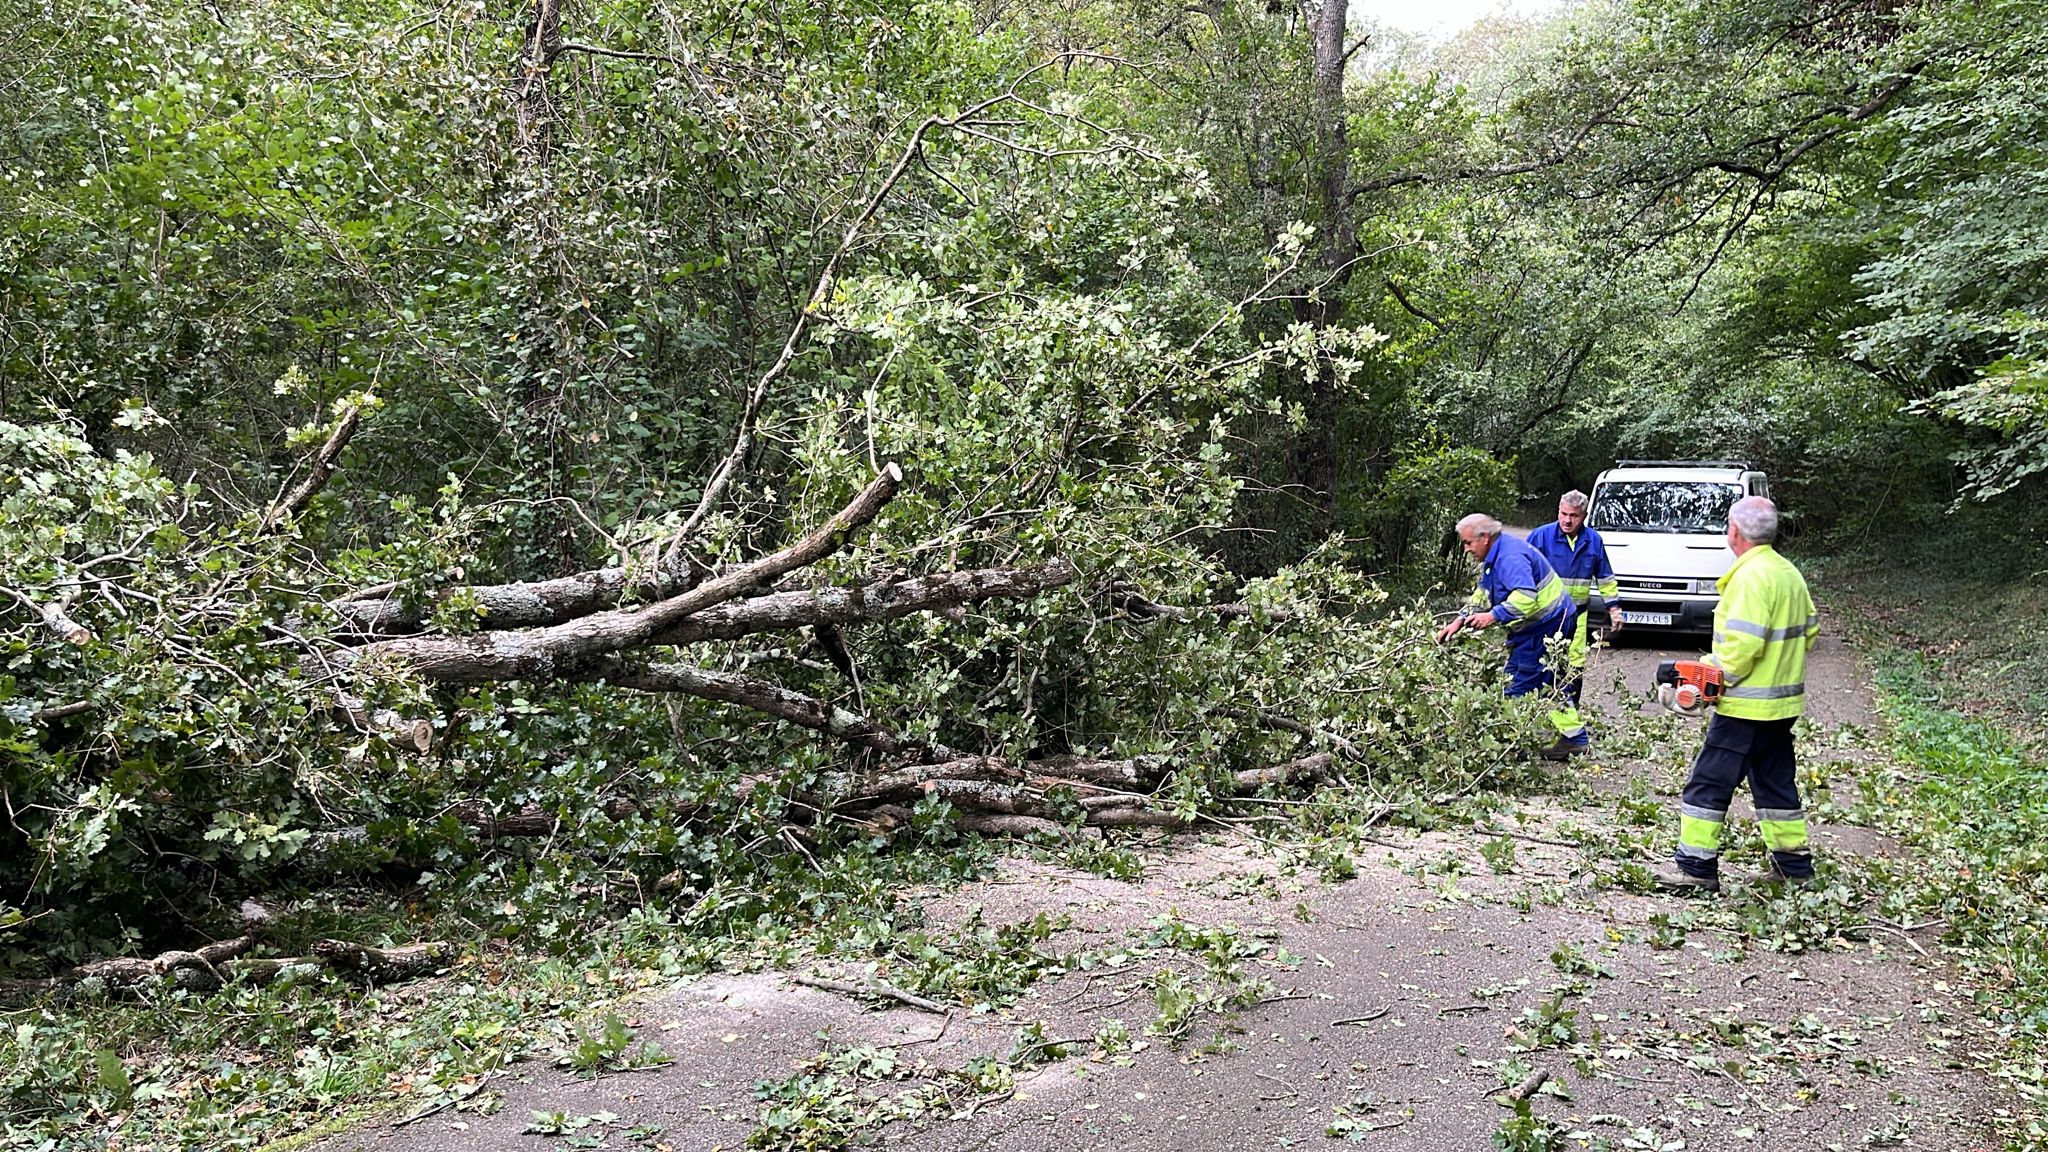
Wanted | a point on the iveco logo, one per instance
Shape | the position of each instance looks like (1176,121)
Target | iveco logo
(1657,585)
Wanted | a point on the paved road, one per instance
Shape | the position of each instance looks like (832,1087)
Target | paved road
(1402,999)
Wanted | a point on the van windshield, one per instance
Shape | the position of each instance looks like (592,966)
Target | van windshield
(1663,506)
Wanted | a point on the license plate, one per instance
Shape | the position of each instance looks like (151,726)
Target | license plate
(1655,619)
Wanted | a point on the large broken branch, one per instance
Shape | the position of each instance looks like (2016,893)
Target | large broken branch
(762,696)
(885,599)
(543,653)
(406,733)
(523,604)
(56,616)
(537,603)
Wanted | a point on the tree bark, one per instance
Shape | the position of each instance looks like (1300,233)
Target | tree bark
(884,599)
(1316,451)
(532,119)
(323,466)
(544,653)
(763,696)
(208,969)
(524,604)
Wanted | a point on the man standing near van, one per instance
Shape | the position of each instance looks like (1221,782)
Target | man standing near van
(1763,628)
(1519,590)
(1579,556)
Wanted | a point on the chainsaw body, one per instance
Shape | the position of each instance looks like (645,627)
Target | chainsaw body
(1688,687)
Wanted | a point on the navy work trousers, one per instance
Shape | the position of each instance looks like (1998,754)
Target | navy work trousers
(1759,751)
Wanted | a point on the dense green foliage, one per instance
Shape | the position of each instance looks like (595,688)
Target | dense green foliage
(1172,292)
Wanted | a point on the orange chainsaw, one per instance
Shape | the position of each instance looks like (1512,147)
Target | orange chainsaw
(1688,687)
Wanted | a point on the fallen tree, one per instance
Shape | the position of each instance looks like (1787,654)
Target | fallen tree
(159,641)
(979,593)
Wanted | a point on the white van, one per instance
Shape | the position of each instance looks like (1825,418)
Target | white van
(1666,523)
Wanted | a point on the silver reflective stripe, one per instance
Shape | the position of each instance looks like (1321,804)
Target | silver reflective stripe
(1699,813)
(1697,853)
(1781,813)
(1777,692)
(1797,631)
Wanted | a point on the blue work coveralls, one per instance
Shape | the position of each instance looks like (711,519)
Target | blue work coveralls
(1581,562)
(1525,594)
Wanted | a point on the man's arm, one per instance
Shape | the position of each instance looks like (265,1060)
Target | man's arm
(1518,576)
(1475,608)
(1606,590)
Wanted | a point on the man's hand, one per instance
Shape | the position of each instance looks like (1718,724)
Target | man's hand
(1614,620)
(1444,634)
(1481,622)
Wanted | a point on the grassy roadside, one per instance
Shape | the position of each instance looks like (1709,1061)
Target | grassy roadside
(1957,667)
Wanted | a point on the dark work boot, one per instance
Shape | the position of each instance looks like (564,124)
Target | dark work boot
(1672,878)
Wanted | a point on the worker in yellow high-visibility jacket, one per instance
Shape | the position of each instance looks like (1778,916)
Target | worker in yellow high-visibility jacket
(1763,628)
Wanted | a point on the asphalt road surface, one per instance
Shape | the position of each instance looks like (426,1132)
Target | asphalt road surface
(1403,1000)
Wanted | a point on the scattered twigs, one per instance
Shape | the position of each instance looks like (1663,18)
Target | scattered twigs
(876,991)
(1527,1088)
(1291,1091)
(1886,926)
(470,1091)
(1368,1018)
(1530,838)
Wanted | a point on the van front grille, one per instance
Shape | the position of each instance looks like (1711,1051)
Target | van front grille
(1656,585)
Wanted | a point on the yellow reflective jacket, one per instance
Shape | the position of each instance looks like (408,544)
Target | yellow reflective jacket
(1763,628)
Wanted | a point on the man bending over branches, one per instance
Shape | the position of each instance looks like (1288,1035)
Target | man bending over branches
(1519,590)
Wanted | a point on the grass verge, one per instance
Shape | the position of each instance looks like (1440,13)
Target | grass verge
(1956,665)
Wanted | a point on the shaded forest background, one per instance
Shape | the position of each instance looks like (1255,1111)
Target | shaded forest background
(331,333)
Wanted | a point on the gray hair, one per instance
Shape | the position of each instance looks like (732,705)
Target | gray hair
(1756,518)
(1479,524)
(1573,499)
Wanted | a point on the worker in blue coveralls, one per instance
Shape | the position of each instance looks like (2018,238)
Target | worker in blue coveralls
(1519,591)
(1579,557)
